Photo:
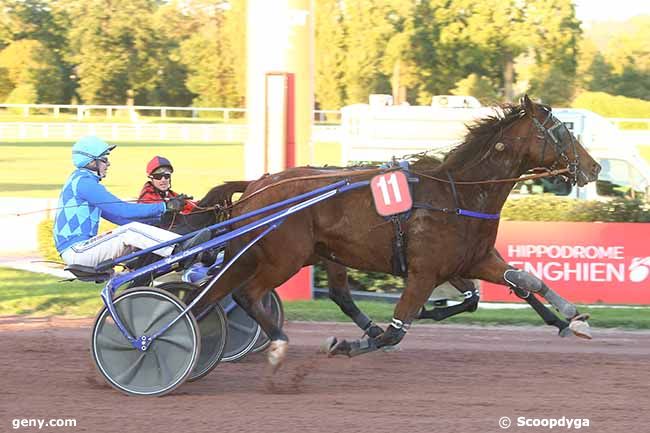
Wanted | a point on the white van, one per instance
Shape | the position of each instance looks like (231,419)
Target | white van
(624,173)
(380,132)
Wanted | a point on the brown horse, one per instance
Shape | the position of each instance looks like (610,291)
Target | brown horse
(442,245)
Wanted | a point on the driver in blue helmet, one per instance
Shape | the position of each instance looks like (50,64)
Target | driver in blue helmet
(84,200)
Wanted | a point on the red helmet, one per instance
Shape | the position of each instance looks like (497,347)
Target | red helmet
(156,163)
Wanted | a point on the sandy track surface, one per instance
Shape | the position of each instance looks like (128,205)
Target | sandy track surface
(444,379)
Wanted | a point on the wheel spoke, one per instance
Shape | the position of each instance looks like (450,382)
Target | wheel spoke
(127,375)
(165,374)
(124,310)
(176,341)
(109,343)
(243,328)
(158,313)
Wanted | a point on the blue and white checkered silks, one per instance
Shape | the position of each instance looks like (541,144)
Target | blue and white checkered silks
(83,201)
(75,219)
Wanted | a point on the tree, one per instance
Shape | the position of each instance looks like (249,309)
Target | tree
(114,48)
(171,26)
(330,54)
(37,20)
(629,56)
(398,62)
(32,72)
(495,35)
(368,31)
(480,87)
(554,34)
(456,38)
(6,86)
(214,55)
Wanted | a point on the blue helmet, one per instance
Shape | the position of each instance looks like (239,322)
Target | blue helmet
(88,149)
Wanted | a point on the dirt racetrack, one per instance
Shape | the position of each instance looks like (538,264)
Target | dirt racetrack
(444,379)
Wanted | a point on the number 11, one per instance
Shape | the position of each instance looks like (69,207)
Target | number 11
(383,185)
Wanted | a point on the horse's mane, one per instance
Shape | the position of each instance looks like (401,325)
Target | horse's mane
(477,141)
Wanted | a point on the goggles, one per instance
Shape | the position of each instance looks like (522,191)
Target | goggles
(159,176)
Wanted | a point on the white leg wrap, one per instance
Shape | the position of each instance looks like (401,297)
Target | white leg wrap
(277,352)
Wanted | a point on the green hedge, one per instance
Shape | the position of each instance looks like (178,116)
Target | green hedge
(46,241)
(552,208)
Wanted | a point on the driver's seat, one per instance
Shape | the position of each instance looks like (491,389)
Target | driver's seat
(88,273)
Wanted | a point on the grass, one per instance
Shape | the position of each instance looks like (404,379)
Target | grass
(41,295)
(26,293)
(39,169)
(324,310)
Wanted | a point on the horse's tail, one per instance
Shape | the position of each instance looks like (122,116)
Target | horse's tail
(222,194)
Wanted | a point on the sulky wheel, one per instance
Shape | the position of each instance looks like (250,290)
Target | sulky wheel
(212,325)
(167,362)
(243,330)
(273,306)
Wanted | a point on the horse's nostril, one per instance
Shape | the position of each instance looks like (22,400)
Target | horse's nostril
(596,169)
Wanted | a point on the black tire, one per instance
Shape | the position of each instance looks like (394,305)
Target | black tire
(213,328)
(272,304)
(170,358)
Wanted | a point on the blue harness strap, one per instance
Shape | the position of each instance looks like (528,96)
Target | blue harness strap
(481,215)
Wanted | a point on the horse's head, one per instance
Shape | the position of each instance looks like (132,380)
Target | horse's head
(548,143)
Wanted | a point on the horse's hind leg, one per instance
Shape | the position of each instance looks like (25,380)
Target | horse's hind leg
(470,303)
(415,294)
(339,292)
(249,297)
(495,270)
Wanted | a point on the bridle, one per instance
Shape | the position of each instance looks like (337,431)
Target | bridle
(557,134)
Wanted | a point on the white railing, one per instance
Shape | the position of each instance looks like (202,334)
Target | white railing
(133,112)
(137,113)
(220,113)
(153,132)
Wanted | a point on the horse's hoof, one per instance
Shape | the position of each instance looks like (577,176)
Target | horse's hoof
(277,352)
(580,328)
(395,348)
(328,344)
(340,347)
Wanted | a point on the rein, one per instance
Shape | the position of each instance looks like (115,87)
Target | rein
(547,173)
(353,173)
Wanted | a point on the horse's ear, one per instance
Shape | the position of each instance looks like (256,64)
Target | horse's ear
(528,105)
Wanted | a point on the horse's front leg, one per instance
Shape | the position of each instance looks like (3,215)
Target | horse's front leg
(495,270)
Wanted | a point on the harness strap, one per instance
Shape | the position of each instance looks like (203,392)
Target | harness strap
(480,215)
(457,211)
(399,255)
(454,193)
